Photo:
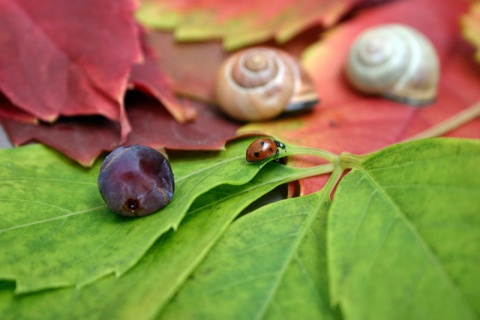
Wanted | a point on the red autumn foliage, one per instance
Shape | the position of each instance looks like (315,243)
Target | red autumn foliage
(67,58)
(350,121)
(148,78)
(153,126)
(80,138)
(76,63)
(65,68)
(85,138)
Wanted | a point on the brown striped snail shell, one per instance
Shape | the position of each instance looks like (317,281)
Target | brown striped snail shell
(262,83)
(394,61)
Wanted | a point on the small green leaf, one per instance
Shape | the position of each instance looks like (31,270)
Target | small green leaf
(55,229)
(404,233)
(142,291)
(269,264)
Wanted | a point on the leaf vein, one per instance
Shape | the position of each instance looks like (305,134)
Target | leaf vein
(26,225)
(291,256)
(48,180)
(425,247)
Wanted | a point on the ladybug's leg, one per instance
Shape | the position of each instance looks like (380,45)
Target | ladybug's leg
(277,153)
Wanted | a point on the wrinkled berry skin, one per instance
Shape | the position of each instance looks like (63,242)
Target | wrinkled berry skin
(136,181)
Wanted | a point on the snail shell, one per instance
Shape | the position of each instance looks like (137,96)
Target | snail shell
(394,61)
(262,83)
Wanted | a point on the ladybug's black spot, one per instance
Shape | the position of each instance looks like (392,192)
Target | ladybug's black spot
(271,150)
(262,143)
(256,154)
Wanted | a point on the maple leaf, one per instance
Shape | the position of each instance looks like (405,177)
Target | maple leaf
(68,58)
(471,26)
(148,78)
(350,121)
(194,76)
(85,138)
(9,111)
(210,131)
(80,138)
(241,23)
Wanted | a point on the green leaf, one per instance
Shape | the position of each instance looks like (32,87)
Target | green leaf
(270,264)
(403,240)
(144,289)
(404,233)
(55,229)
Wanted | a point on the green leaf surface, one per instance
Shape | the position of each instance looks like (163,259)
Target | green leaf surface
(403,240)
(142,291)
(404,233)
(270,264)
(55,229)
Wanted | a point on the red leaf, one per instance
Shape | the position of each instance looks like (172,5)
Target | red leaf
(9,111)
(195,75)
(85,138)
(67,57)
(148,78)
(80,138)
(153,126)
(349,121)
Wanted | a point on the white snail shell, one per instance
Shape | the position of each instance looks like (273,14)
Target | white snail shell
(394,61)
(262,83)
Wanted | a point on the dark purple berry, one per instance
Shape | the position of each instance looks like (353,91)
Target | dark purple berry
(136,181)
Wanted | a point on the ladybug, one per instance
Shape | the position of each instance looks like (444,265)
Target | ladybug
(264,148)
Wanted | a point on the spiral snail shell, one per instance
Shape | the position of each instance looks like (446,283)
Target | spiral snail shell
(262,83)
(394,61)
